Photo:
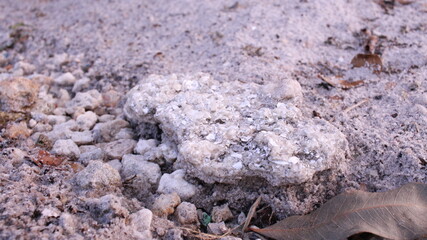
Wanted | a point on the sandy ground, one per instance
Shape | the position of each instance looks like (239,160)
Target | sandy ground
(121,42)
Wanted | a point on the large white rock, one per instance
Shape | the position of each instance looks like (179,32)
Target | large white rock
(226,131)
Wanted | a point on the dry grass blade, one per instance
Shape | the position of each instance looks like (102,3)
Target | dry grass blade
(346,84)
(251,213)
(397,214)
(355,105)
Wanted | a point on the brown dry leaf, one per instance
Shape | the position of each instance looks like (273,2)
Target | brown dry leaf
(344,84)
(405,2)
(368,60)
(396,214)
(45,158)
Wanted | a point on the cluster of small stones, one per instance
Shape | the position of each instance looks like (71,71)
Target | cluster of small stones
(217,132)
(86,127)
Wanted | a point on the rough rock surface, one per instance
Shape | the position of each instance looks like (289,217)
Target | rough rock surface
(97,175)
(18,94)
(231,130)
(175,183)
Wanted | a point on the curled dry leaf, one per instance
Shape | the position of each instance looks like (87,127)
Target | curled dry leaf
(337,82)
(45,158)
(368,60)
(396,214)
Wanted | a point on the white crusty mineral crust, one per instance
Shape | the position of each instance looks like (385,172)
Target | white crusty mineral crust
(226,131)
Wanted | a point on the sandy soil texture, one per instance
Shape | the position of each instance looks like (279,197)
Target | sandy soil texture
(108,47)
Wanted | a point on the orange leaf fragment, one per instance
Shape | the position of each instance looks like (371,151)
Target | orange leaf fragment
(45,158)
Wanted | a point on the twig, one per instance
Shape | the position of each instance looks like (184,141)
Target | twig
(251,213)
(207,236)
(355,105)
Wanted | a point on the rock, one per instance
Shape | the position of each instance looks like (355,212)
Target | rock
(32,123)
(111,98)
(186,213)
(27,68)
(18,94)
(97,175)
(226,131)
(17,130)
(144,145)
(161,225)
(143,175)
(77,112)
(116,164)
(59,111)
(116,149)
(221,213)
(40,127)
(124,133)
(165,204)
(174,182)
(81,138)
(106,208)
(65,79)
(88,100)
(51,212)
(105,132)
(81,84)
(56,119)
(94,154)
(66,147)
(141,221)
(174,234)
(86,120)
(136,165)
(62,131)
(68,222)
(63,98)
(217,228)
(14,155)
(106,118)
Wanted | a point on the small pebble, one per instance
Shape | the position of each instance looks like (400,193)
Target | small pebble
(144,145)
(175,183)
(97,175)
(65,79)
(221,213)
(186,213)
(66,147)
(86,120)
(165,204)
(116,149)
